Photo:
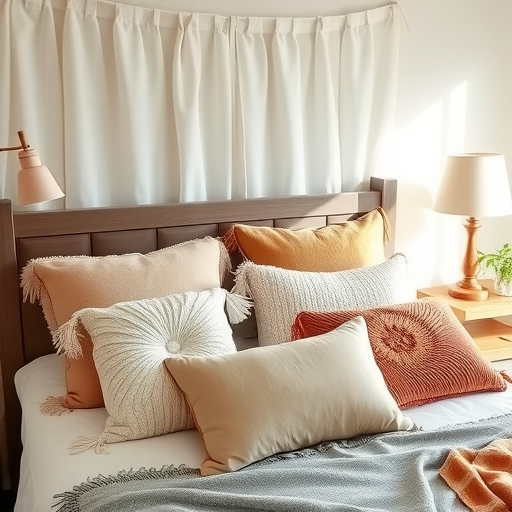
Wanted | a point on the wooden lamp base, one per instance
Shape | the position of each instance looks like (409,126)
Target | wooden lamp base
(476,294)
(468,288)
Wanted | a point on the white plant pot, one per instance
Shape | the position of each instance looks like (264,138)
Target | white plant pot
(502,287)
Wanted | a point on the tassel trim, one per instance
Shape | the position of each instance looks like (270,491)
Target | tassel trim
(66,339)
(55,406)
(224,261)
(238,308)
(241,286)
(30,283)
(86,443)
(506,376)
(229,240)
(385,222)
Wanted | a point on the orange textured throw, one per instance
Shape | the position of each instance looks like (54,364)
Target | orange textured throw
(482,478)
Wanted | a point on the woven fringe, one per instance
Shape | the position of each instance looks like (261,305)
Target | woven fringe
(70,501)
(66,338)
(30,283)
(225,261)
(241,286)
(506,376)
(229,240)
(385,221)
(237,307)
(55,406)
(85,443)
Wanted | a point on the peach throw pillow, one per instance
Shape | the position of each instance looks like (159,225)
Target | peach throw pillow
(423,351)
(65,285)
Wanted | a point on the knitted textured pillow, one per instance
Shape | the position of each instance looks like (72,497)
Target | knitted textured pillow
(355,243)
(268,400)
(423,351)
(280,294)
(64,285)
(131,341)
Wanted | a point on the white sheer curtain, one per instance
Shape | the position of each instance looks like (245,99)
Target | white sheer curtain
(131,105)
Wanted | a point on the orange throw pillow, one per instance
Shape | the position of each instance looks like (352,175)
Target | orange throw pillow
(423,351)
(356,243)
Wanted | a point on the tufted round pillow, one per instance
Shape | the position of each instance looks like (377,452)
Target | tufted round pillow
(131,341)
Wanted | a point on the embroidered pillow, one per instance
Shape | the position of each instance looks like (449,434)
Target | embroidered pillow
(131,341)
(64,285)
(280,294)
(423,351)
(355,243)
(255,403)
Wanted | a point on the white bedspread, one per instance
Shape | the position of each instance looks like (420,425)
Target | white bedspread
(48,469)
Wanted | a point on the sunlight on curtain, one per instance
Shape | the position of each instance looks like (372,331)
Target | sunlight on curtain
(130,105)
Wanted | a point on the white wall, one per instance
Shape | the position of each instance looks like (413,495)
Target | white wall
(454,95)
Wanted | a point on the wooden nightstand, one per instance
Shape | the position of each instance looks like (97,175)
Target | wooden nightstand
(494,338)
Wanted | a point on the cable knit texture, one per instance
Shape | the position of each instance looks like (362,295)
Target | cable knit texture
(280,294)
(131,341)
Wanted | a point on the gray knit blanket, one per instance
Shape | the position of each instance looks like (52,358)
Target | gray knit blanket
(392,472)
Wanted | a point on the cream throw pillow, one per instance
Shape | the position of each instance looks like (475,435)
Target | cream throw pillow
(267,400)
(131,341)
(280,294)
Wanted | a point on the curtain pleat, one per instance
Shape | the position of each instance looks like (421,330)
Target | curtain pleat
(132,105)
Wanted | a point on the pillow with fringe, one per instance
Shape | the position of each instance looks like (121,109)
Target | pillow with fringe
(423,351)
(64,285)
(280,294)
(131,341)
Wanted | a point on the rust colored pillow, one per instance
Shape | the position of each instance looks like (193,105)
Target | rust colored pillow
(356,243)
(65,285)
(423,351)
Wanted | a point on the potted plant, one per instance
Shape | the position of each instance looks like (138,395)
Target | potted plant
(501,263)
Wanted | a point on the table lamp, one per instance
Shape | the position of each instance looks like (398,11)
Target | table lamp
(35,182)
(474,185)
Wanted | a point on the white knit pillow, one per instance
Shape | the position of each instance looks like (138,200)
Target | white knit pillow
(280,294)
(131,341)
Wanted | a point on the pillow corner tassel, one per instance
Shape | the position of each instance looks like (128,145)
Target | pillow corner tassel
(229,240)
(506,376)
(66,338)
(30,283)
(82,443)
(55,406)
(238,307)
(241,286)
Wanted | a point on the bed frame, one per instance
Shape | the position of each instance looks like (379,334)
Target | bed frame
(24,335)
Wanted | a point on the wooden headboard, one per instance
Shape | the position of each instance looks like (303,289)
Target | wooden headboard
(24,335)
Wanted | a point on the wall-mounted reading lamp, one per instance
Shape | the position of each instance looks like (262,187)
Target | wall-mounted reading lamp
(35,182)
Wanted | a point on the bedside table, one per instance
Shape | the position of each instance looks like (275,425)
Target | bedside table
(492,337)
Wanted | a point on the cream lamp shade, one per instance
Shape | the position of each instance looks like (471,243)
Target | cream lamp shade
(35,182)
(474,185)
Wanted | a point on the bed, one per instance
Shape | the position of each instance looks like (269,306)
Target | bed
(282,479)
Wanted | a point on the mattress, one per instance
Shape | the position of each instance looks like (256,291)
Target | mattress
(48,469)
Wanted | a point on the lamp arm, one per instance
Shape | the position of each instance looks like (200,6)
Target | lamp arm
(23,140)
